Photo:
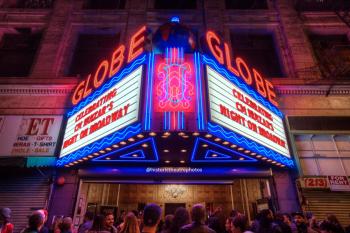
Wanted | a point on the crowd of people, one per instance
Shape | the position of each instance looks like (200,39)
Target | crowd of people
(182,221)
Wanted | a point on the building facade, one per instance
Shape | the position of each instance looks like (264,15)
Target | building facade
(49,47)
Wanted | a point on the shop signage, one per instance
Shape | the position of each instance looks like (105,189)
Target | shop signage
(114,109)
(221,52)
(109,67)
(339,183)
(34,135)
(236,110)
(314,183)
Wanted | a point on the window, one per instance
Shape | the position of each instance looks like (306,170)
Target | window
(259,51)
(324,5)
(17,52)
(246,4)
(333,55)
(32,4)
(323,154)
(90,50)
(180,4)
(104,4)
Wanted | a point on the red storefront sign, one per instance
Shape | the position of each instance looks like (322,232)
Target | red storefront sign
(314,183)
(339,183)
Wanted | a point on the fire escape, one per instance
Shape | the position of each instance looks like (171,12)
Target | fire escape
(333,56)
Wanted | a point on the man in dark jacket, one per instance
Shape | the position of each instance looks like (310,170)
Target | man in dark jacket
(198,218)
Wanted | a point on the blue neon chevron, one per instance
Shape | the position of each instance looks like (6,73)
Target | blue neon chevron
(108,85)
(235,138)
(100,144)
(242,85)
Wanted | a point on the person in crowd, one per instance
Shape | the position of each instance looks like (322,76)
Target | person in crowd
(217,221)
(35,223)
(181,218)
(329,227)
(87,223)
(228,225)
(120,219)
(282,225)
(168,221)
(108,223)
(98,225)
(198,220)
(56,222)
(287,218)
(45,215)
(335,222)
(239,224)
(263,222)
(312,221)
(66,225)
(234,213)
(5,225)
(301,223)
(130,224)
(151,218)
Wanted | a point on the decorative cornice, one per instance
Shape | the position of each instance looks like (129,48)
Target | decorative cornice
(314,90)
(38,90)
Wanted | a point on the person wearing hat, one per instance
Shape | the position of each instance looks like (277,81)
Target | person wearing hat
(5,225)
(301,223)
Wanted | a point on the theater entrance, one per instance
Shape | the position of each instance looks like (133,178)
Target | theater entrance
(245,195)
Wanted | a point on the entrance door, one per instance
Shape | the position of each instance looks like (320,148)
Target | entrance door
(171,207)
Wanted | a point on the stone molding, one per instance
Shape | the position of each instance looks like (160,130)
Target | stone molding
(37,90)
(314,90)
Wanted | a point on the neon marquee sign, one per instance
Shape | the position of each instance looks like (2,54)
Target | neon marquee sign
(108,68)
(240,68)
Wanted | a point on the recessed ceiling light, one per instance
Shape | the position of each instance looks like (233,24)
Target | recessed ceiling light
(71,164)
(108,158)
(167,134)
(225,143)
(95,153)
(269,160)
(134,155)
(214,155)
(246,151)
(283,165)
(85,158)
(164,136)
(258,156)
(90,156)
(122,143)
(182,161)
(185,136)
(264,158)
(253,153)
(80,160)
(217,139)
(208,135)
(108,149)
(274,162)
(241,158)
(195,134)
(75,162)
(233,146)
(144,145)
(166,151)
(205,145)
(115,146)
(278,164)
(183,150)
(131,139)
(66,165)
(181,134)
(241,148)
(140,136)
(102,151)
(152,134)
(167,161)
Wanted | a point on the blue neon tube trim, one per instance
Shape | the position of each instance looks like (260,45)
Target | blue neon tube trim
(193,159)
(101,144)
(147,110)
(237,139)
(151,140)
(115,79)
(240,83)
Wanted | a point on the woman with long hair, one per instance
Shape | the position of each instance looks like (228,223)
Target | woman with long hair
(131,224)
(181,218)
(98,225)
